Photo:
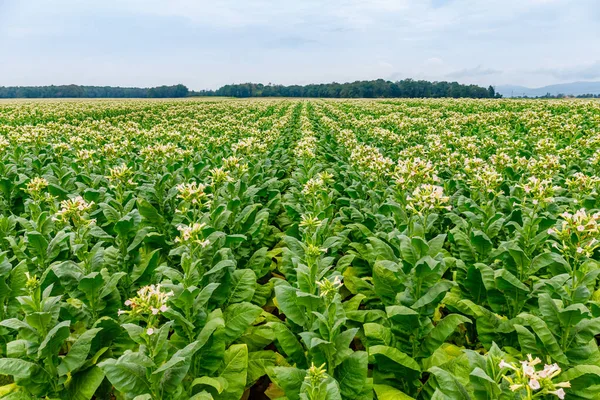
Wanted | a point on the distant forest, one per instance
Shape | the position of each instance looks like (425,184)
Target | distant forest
(562,96)
(368,89)
(76,91)
(379,88)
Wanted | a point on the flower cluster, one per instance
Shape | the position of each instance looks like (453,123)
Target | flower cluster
(582,184)
(316,375)
(192,193)
(412,172)
(249,146)
(306,147)
(545,167)
(235,164)
(220,176)
(315,251)
(4,143)
(309,221)
(192,234)
(149,302)
(32,283)
(578,234)
(316,184)
(427,198)
(121,176)
(35,188)
(532,381)
(75,210)
(87,156)
(539,191)
(329,288)
(485,179)
(369,160)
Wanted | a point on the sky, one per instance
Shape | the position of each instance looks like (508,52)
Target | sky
(206,44)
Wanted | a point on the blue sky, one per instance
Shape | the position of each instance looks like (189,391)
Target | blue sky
(205,44)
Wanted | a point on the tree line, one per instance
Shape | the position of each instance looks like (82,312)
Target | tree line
(78,91)
(407,88)
(360,89)
(562,96)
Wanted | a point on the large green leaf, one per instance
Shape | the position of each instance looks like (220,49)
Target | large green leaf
(127,377)
(394,357)
(238,318)
(78,353)
(243,286)
(16,367)
(351,374)
(386,392)
(287,302)
(83,385)
(442,330)
(234,370)
(54,340)
(260,361)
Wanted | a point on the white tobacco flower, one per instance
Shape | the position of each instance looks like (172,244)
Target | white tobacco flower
(515,387)
(528,370)
(504,364)
(534,384)
(565,384)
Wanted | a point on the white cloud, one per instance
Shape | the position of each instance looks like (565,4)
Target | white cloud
(205,43)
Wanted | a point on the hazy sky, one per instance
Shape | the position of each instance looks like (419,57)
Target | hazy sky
(205,44)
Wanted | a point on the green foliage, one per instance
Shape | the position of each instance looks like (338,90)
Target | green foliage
(302,250)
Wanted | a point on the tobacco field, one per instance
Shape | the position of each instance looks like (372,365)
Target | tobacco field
(299,249)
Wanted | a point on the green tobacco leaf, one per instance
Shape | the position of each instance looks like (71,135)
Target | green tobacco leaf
(148,211)
(287,302)
(289,379)
(243,286)
(442,330)
(436,291)
(507,282)
(54,339)
(16,367)
(78,353)
(37,242)
(234,371)
(541,330)
(260,361)
(289,344)
(407,251)
(238,318)
(397,358)
(259,262)
(377,334)
(127,377)
(584,379)
(465,249)
(387,285)
(481,242)
(527,340)
(447,384)
(148,263)
(351,374)
(485,388)
(554,261)
(386,392)
(83,385)
(436,244)
(219,384)
(110,284)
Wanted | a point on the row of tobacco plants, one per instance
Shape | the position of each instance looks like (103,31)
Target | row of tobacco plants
(301,250)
